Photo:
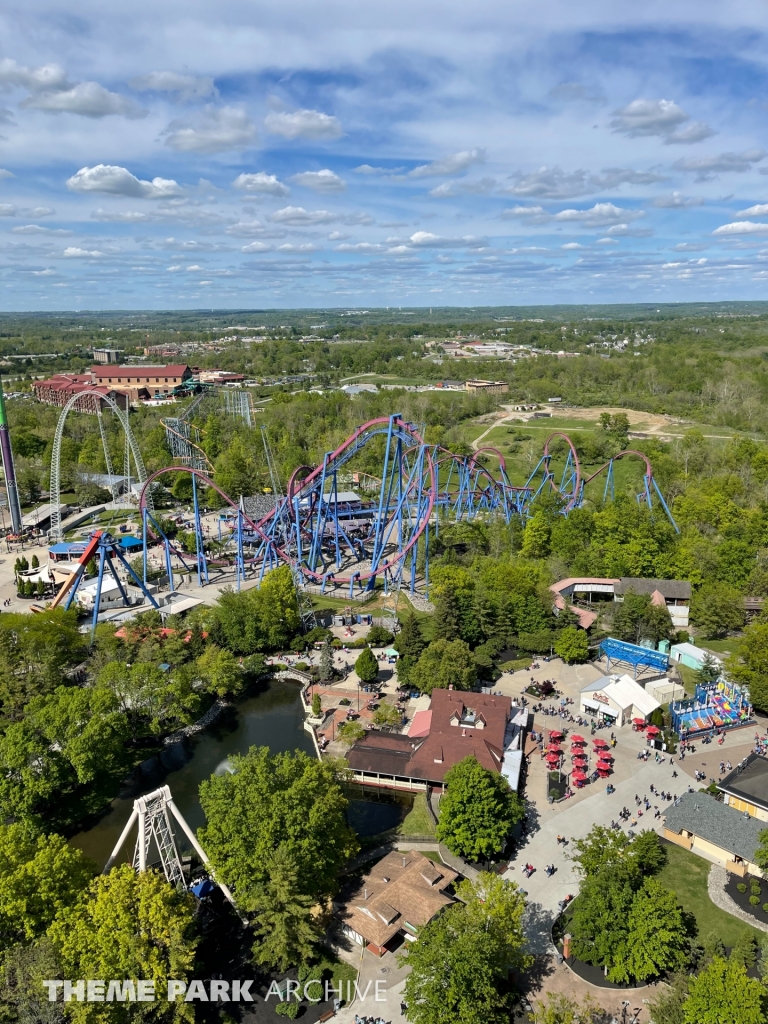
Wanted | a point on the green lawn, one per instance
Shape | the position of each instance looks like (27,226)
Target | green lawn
(418,821)
(731,645)
(686,875)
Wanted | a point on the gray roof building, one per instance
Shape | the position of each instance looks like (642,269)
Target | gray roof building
(701,815)
(748,785)
(672,590)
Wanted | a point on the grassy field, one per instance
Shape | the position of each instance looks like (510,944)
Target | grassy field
(731,645)
(418,821)
(686,875)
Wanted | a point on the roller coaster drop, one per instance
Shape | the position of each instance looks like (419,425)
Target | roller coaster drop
(331,538)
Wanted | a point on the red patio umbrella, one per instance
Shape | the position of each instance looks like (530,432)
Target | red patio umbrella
(600,742)
(603,766)
(555,733)
(579,758)
(638,721)
(554,758)
(553,748)
(652,729)
(578,775)
(575,738)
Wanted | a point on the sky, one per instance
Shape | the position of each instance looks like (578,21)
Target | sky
(241,154)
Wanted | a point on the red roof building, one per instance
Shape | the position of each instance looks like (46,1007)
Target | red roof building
(58,390)
(460,725)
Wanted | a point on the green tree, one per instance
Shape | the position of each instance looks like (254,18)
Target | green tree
(378,636)
(723,994)
(284,930)
(220,671)
(636,619)
(761,852)
(268,800)
(599,924)
(126,925)
(710,670)
(387,714)
(326,662)
(39,876)
(717,609)
(366,666)
(657,941)
(454,974)
(478,810)
(572,645)
(317,705)
(409,643)
(260,619)
(35,652)
(602,847)
(668,1007)
(350,732)
(496,907)
(536,536)
(561,1009)
(750,666)
(443,664)
(23,997)
(446,621)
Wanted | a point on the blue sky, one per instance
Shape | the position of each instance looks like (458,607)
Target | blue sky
(245,154)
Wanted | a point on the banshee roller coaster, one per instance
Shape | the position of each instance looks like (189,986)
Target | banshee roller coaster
(344,542)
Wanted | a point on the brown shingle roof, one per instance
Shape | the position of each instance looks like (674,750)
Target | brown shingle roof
(401,888)
(172,370)
(673,590)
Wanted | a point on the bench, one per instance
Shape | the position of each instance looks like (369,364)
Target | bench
(326,1016)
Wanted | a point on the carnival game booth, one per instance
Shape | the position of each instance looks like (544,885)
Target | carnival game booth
(617,700)
(718,705)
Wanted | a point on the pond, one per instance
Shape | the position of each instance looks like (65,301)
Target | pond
(273,718)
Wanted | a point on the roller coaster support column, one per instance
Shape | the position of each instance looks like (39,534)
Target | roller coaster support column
(202,565)
(239,559)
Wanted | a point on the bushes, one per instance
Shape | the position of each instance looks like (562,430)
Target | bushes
(754,900)
(289,1010)
(742,887)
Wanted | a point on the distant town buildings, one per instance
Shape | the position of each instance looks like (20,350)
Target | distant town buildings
(487,387)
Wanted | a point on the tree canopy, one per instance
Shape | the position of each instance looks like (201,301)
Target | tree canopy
(477,811)
(266,801)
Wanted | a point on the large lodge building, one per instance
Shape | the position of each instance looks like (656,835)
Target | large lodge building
(125,385)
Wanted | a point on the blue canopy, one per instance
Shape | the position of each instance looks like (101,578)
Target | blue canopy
(203,888)
(633,654)
(131,543)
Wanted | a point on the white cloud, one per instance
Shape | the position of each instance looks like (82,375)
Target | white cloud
(294,247)
(297,216)
(74,252)
(256,247)
(551,183)
(37,229)
(320,181)
(445,191)
(118,181)
(648,117)
(88,99)
(5,174)
(359,247)
(261,183)
(425,239)
(41,211)
(174,269)
(194,267)
(696,131)
(8,210)
(572,245)
(456,164)
(302,124)
(754,211)
(742,227)
(212,130)
(43,273)
(554,183)
(598,215)
(113,216)
(43,79)
(186,86)
(706,167)
(368,169)
(688,247)
(625,231)
(676,201)
(532,212)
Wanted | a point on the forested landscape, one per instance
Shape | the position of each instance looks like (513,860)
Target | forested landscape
(65,746)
